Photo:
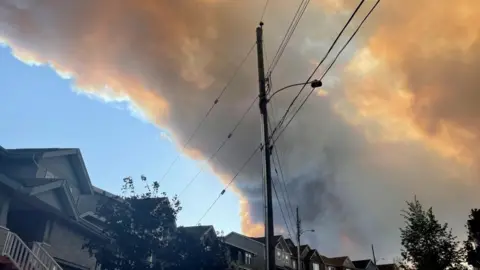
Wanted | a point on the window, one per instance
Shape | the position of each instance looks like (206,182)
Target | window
(331,268)
(279,254)
(294,265)
(248,258)
(316,266)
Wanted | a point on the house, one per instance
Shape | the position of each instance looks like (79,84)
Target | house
(310,259)
(314,261)
(40,223)
(204,233)
(338,263)
(365,264)
(243,252)
(283,256)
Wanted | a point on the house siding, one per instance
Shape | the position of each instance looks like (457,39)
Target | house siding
(4,206)
(19,169)
(51,198)
(61,168)
(66,243)
(258,261)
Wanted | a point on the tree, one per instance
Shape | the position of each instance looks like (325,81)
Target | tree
(427,244)
(472,245)
(142,233)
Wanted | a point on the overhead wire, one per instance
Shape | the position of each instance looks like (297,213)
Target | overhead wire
(224,142)
(281,182)
(260,146)
(288,35)
(280,176)
(281,209)
(215,102)
(282,120)
(231,181)
(264,10)
(328,69)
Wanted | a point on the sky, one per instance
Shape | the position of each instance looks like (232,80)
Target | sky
(40,109)
(397,115)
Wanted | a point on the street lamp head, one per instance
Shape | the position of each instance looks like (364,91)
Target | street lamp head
(316,83)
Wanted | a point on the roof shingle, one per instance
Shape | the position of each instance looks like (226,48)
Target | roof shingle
(361,264)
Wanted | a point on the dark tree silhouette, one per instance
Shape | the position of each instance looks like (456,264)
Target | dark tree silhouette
(427,244)
(472,245)
(142,234)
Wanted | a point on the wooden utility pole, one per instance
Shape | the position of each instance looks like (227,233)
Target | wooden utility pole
(299,233)
(269,236)
(373,253)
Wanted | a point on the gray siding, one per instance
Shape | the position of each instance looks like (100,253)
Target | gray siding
(60,166)
(240,241)
(66,244)
(19,169)
(51,198)
(88,203)
(4,206)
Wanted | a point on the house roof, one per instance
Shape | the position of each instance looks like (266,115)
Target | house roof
(276,238)
(291,246)
(197,231)
(311,252)
(31,187)
(390,266)
(336,261)
(361,264)
(239,243)
(74,157)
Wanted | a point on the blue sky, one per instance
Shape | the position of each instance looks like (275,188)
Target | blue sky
(39,109)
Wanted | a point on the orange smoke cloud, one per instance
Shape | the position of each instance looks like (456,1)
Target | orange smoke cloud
(248,227)
(413,85)
(415,78)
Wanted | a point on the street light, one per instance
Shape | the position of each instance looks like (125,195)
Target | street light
(300,233)
(313,84)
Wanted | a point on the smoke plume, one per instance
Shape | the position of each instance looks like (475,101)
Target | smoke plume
(400,117)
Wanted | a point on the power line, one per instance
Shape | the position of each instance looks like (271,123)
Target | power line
(215,102)
(231,181)
(224,142)
(271,136)
(281,179)
(282,120)
(281,210)
(291,29)
(328,69)
(264,9)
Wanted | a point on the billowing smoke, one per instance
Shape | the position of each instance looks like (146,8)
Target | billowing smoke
(400,117)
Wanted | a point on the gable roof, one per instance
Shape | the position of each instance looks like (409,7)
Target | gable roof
(197,231)
(336,261)
(278,239)
(34,186)
(361,264)
(238,244)
(262,239)
(74,158)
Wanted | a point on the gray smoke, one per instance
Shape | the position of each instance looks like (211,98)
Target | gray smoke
(172,58)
